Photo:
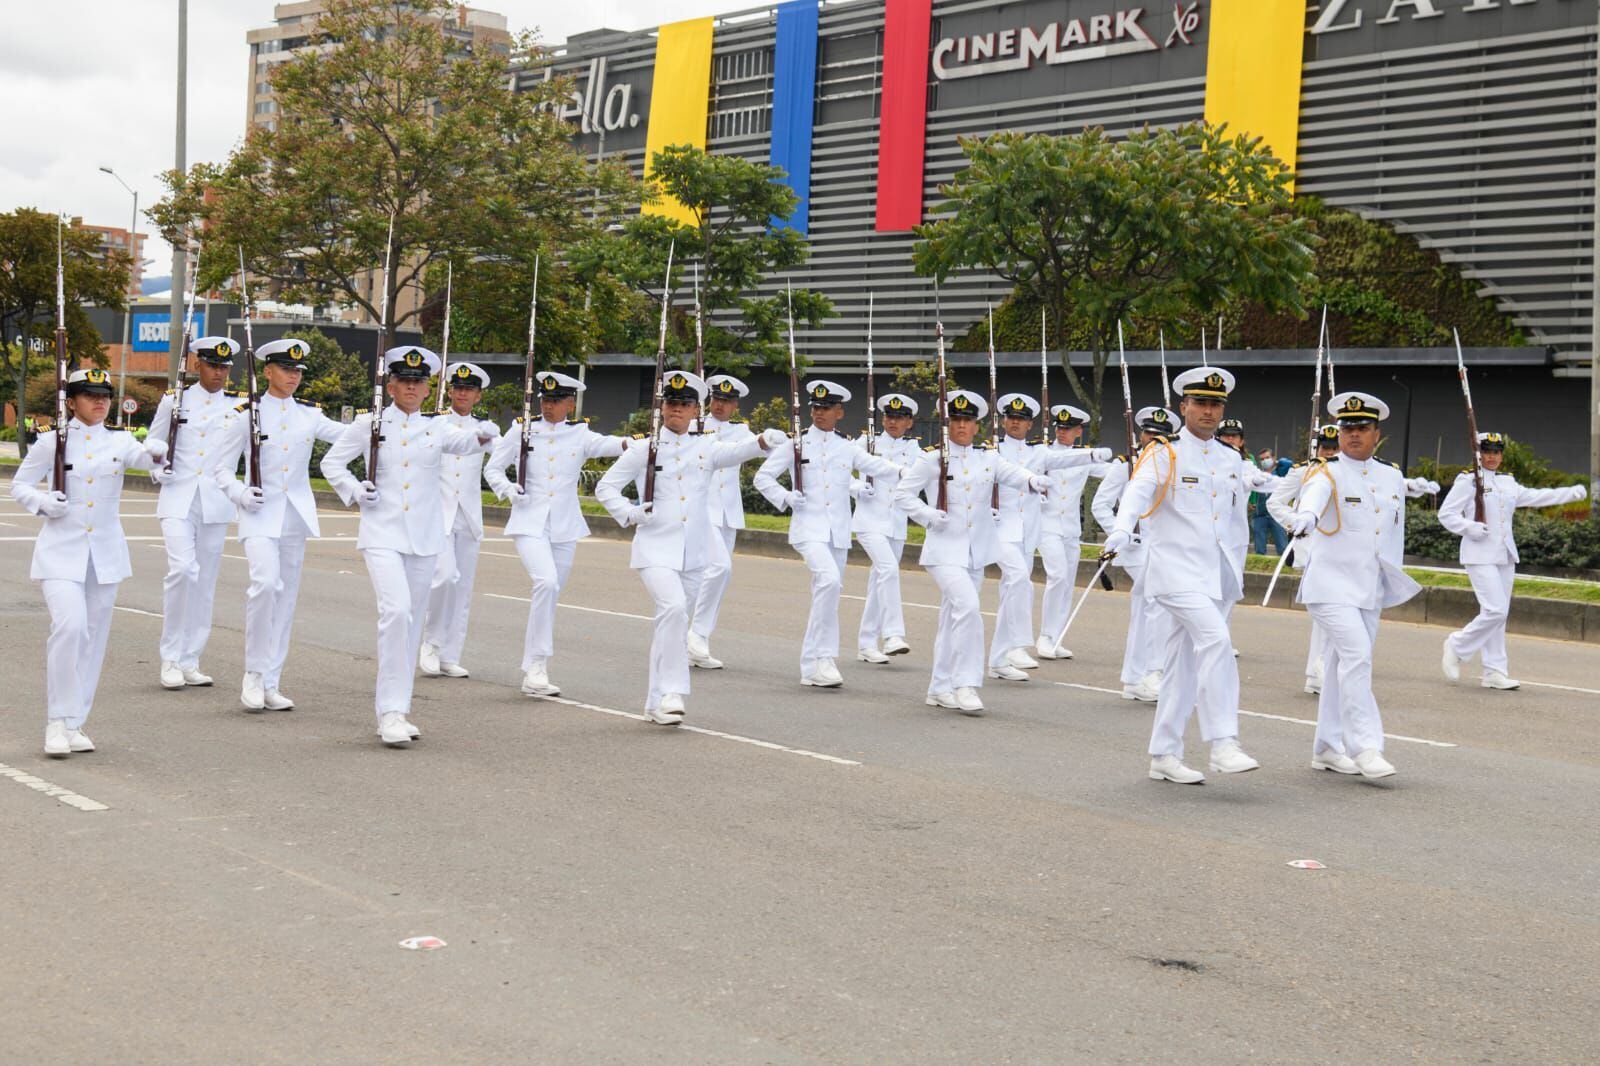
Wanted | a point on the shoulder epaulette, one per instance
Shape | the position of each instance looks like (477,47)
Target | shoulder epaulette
(243,406)
(1387,462)
(1120,459)
(431,414)
(931,448)
(640,436)
(577,422)
(308,403)
(231,392)
(736,421)
(172,392)
(1298,465)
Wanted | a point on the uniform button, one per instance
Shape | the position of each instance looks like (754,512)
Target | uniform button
(90,503)
(89,529)
(405,507)
(89,480)
(285,470)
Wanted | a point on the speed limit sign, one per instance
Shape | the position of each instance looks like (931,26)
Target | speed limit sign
(129,405)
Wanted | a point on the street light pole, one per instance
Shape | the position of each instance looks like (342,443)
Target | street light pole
(127,317)
(175,355)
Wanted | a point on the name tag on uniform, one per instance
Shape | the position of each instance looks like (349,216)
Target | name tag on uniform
(1353,499)
(1191,481)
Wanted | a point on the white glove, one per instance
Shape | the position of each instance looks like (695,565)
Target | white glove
(1301,523)
(773,438)
(1039,483)
(251,499)
(1100,455)
(367,495)
(53,505)
(515,492)
(638,516)
(1477,531)
(162,476)
(937,520)
(1422,485)
(1117,541)
(487,434)
(1579,492)
(795,500)
(155,449)
(866,490)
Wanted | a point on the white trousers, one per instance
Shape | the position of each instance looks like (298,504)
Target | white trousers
(1149,629)
(826,564)
(882,616)
(1013,620)
(1061,557)
(401,582)
(450,598)
(1486,634)
(958,645)
(713,585)
(549,564)
(1200,674)
(1317,652)
(194,554)
(672,591)
(275,566)
(1347,713)
(80,623)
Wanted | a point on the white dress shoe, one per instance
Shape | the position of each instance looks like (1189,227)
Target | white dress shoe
(196,678)
(1371,763)
(705,662)
(1141,692)
(1007,673)
(1313,686)
(392,730)
(1020,658)
(1235,653)
(251,694)
(412,731)
(818,678)
(428,660)
(830,670)
(1451,662)
(700,653)
(79,742)
(171,675)
(1171,768)
(895,646)
(968,703)
(1337,761)
(942,699)
(1044,648)
(1228,758)
(536,682)
(57,739)
(670,712)
(274,700)
(871,655)
(1495,679)
(453,670)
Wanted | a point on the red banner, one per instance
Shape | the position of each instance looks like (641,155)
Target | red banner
(902,126)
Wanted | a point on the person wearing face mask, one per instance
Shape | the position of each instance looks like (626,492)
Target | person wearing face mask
(1489,555)
(81,554)
(276,519)
(402,520)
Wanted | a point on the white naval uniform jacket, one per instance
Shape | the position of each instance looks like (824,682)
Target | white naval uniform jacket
(1183,493)
(556,454)
(1060,511)
(1104,509)
(1501,498)
(1020,521)
(408,516)
(461,479)
(875,511)
(289,428)
(1358,506)
(679,536)
(829,460)
(725,497)
(97,458)
(207,423)
(971,538)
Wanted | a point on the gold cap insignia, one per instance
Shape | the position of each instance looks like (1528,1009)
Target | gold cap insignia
(1213,381)
(960,403)
(724,386)
(463,373)
(223,349)
(549,382)
(96,376)
(895,404)
(1019,404)
(820,391)
(677,381)
(413,359)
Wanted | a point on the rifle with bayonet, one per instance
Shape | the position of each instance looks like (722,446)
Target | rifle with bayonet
(175,419)
(994,414)
(1046,426)
(444,356)
(529,371)
(943,495)
(1127,396)
(380,373)
(699,353)
(797,478)
(252,393)
(647,495)
(1472,431)
(1316,391)
(63,370)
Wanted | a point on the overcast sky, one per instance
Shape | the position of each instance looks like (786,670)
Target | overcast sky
(90,83)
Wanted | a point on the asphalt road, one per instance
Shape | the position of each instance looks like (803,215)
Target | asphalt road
(807,875)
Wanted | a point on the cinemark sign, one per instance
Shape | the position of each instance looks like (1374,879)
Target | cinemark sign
(1073,41)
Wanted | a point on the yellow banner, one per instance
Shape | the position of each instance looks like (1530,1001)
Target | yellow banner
(1253,70)
(679,97)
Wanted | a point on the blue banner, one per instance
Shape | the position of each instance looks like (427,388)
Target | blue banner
(151,333)
(794,91)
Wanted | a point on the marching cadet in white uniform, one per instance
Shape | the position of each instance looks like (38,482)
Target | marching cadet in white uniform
(1181,495)
(402,520)
(961,540)
(880,529)
(674,542)
(276,519)
(546,521)
(1489,554)
(194,512)
(1354,503)
(1019,525)
(1149,627)
(1253,479)
(1280,505)
(727,516)
(819,528)
(461,488)
(1061,527)
(81,554)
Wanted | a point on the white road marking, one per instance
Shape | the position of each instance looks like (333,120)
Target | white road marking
(574,607)
(38,784)
(1564,688)
(769,745)
(135,610)
(1269,717)
(907,603)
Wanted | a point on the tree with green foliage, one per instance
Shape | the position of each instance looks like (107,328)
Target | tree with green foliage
(92,275)
(388,116)
(733,245)
(1162,228)
(333,378)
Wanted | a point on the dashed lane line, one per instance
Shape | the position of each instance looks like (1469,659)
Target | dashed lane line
(574,607)
(686,728)
(39,784)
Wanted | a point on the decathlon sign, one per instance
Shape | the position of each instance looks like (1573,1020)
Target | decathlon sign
(151,333)
(1075,40)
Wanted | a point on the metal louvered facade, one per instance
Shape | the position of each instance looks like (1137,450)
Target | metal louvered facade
(1468,124)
